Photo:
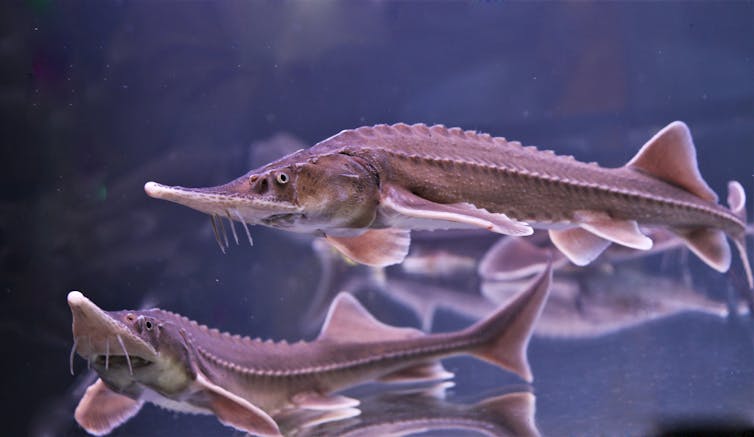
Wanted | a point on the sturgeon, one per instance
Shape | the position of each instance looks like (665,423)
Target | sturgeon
(164,358)
(364,189)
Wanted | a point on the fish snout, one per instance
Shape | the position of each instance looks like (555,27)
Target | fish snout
(97,332)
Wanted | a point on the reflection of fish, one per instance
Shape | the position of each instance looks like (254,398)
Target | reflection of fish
(582,303)
(366,188)
(598,303)
(515,258)
(161,357)
(601,302)
(437,263)
(419,411)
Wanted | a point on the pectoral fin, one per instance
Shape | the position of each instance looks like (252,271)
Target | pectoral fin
(101,410)
(624,232)
(235,411)
(579,245)
(375,247)
(411,211)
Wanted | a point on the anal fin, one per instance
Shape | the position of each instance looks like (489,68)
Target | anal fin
(423,372)
(710,245)
(101,410)
(375,247)
(579,245)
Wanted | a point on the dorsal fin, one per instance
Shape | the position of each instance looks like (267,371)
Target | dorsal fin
(671,157)
(348,320)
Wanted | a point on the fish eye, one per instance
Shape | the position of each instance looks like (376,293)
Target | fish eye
(130,317)
(148,325)
(253,178)
(282,178)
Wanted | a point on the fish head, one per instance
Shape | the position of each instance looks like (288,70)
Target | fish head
(300,193)
(130,349)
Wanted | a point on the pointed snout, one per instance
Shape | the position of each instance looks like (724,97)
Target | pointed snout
(153,189)
(232,199)
(210,201)
(96,331)
(88,318)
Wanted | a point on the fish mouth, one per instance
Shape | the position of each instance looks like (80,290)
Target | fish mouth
(100,338)
(120,361)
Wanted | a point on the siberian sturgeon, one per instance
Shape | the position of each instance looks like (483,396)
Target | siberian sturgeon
(364,190)
(164,358)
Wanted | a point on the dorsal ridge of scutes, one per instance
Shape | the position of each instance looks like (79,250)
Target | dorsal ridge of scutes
(348,320)
(670,156)
(388,130)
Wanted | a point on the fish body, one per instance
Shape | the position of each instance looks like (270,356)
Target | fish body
(164,358)
(364,189)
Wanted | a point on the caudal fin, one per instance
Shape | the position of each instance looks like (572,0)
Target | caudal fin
(512,412)
(670,156)
(737,205)
(508,330)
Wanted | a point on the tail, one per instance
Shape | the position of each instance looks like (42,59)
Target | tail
(512,412)
(670,156)
(507,331)
(710,244)
(737,205)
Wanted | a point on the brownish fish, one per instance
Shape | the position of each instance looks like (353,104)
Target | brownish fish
(161,357)
(365,189)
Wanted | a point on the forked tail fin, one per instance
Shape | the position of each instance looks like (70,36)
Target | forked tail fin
(507,331)
(737,205)
(512,412)
(670,156)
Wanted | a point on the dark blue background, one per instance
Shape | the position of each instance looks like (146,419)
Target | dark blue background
(99,97)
